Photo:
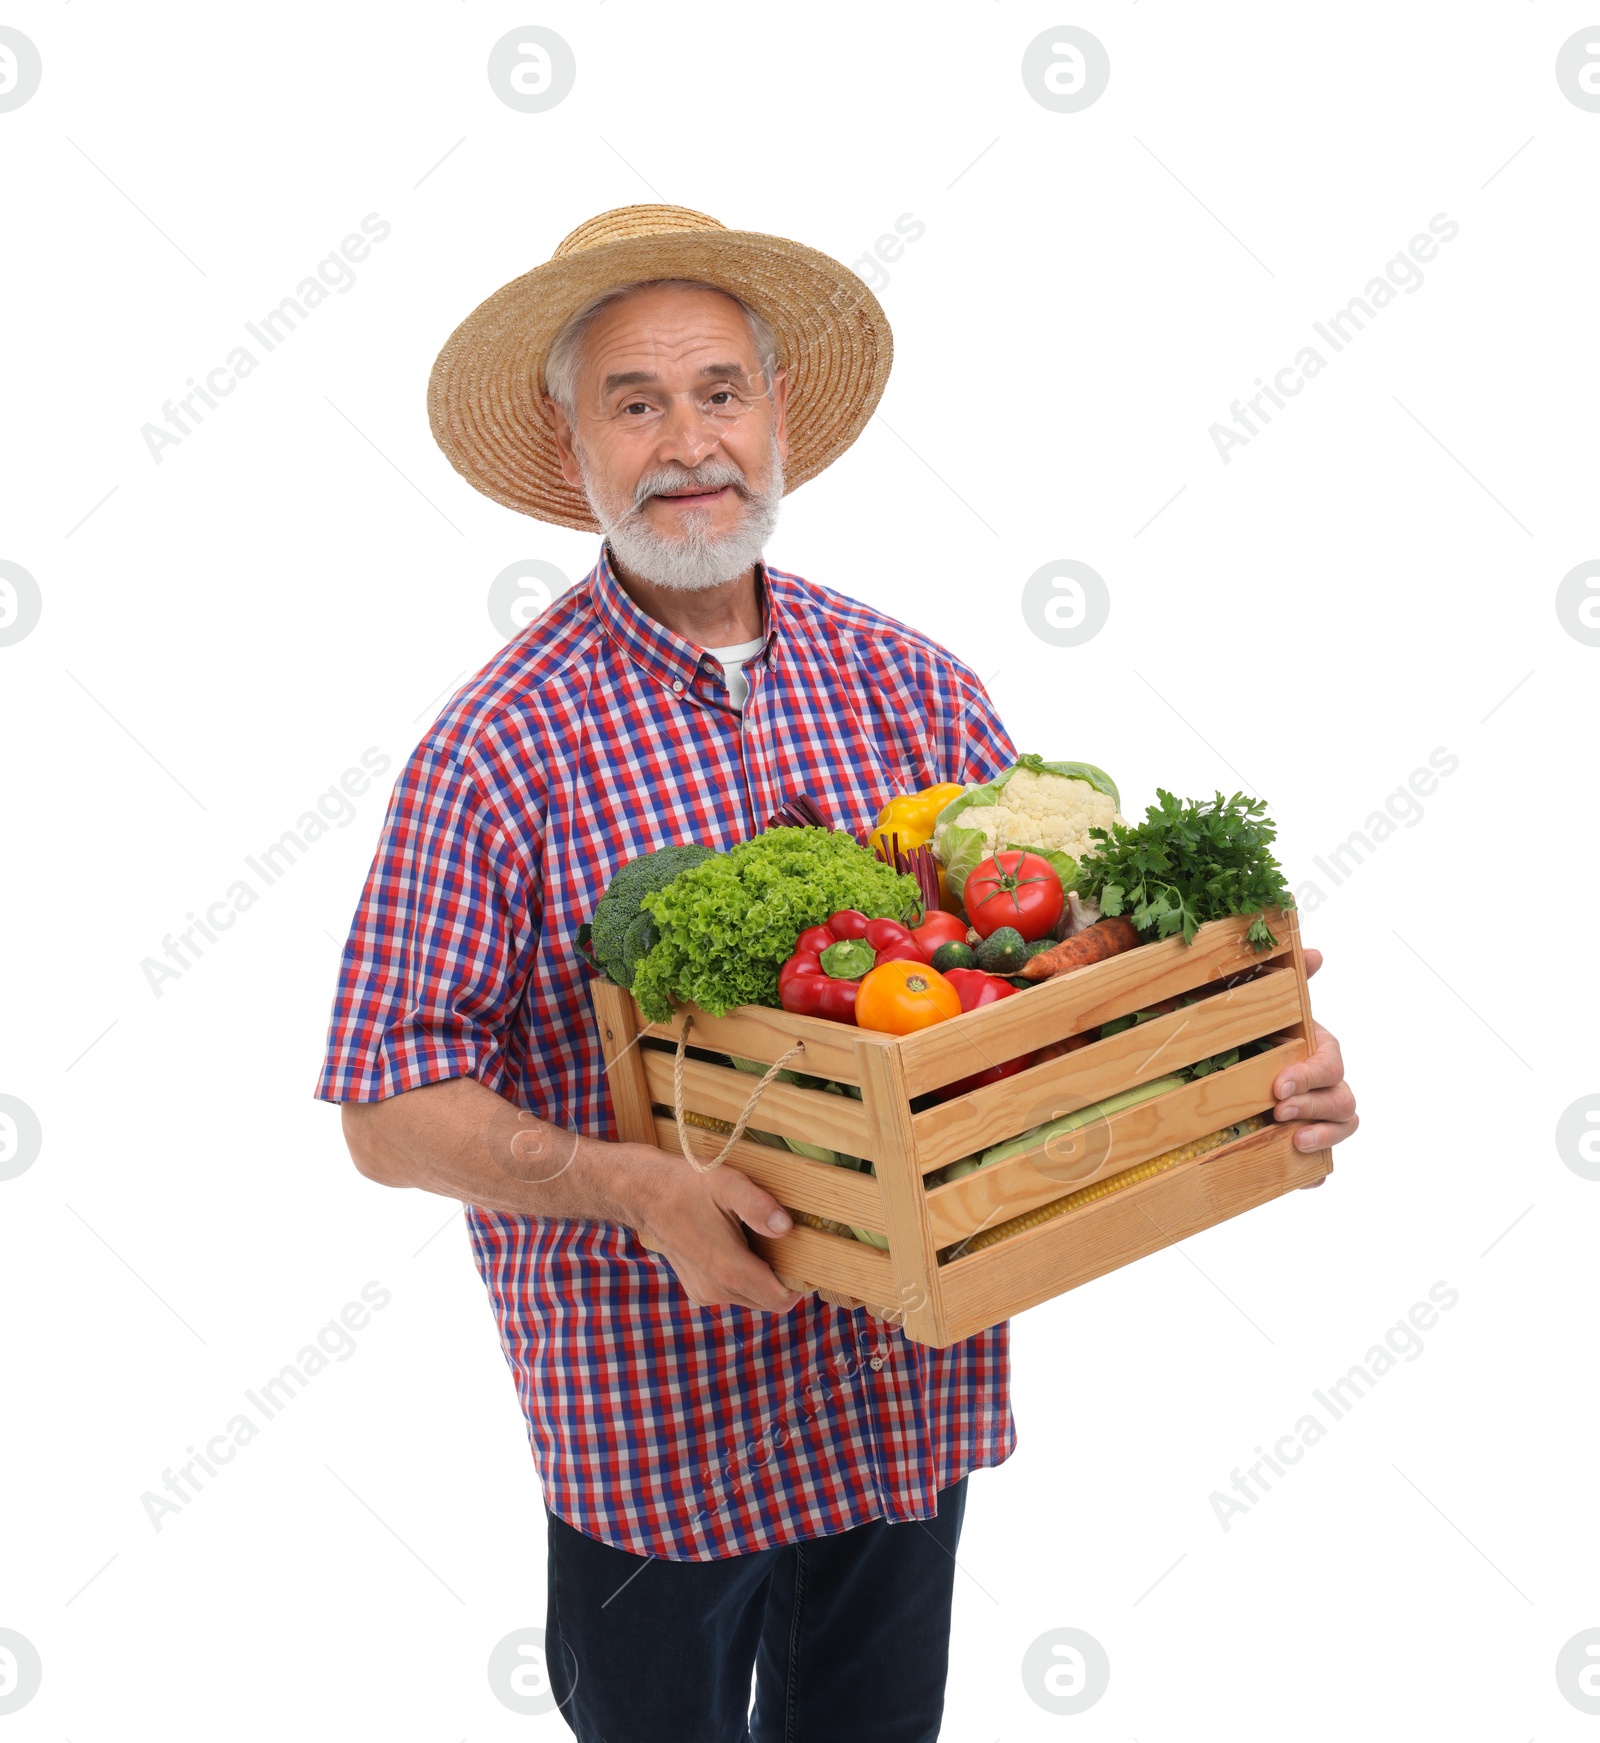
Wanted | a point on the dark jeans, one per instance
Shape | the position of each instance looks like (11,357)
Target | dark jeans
(848,1635)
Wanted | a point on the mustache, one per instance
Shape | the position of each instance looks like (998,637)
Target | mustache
(709,475)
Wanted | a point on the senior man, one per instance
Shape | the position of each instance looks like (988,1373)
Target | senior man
(737,1478)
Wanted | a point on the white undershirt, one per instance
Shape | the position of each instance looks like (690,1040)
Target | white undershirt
(732,660)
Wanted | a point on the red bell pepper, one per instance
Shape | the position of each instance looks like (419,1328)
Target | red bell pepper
(802,965)
(902,950)
(976,988)
(809,989)
(879,933)
(838,999)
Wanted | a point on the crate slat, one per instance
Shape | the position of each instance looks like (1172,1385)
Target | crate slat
(1075,1159)
(1061,1086)
(911,1248)
(836,1122)
(618,1017)
(1071,1003)
(754,1032)
(986,1287)
(1308,1027)
(796,1181)
(813,1259)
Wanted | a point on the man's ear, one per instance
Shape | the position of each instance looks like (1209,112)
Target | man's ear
(780,410)
(562,425)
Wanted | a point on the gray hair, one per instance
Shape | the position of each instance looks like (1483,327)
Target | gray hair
(566,349)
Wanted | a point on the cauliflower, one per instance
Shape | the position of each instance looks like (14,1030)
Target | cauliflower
(1048,807)
(1042,811)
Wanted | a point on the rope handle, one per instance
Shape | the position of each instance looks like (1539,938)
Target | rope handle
(749,1107)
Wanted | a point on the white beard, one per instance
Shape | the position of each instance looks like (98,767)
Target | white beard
(693,560)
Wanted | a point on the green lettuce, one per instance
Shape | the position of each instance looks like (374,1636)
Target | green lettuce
(727,925)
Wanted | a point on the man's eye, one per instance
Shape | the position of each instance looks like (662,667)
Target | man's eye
(723,396)
(637,405)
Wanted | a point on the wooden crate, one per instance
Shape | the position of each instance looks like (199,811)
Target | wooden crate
(939,1303)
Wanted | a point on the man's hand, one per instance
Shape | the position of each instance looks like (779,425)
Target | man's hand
(1315,1089)
(693,1220)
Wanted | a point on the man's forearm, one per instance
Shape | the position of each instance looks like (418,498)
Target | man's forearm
(466,1142)
(463,1141)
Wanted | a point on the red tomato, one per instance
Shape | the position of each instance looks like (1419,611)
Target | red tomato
(880,934)
(1014,889)
(937,929)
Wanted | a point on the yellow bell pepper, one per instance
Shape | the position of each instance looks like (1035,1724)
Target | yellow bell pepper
(901,818)
(934,800)
(904,836)
(912,815)
(910,819)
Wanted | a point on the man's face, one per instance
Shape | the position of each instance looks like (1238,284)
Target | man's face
(676,437)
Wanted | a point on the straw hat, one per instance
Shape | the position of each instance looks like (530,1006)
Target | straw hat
(485,396)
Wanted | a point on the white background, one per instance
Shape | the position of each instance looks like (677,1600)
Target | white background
(1372,577)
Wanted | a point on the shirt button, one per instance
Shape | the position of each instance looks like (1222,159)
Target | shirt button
(876,1364)
(677,686)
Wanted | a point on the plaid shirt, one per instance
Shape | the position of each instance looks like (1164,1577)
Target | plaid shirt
(657,1426)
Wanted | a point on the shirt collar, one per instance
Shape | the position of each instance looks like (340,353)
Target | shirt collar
(668,658)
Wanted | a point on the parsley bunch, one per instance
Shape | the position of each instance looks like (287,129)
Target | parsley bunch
(1190,861)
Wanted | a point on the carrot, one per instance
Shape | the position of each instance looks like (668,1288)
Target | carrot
(1093,944)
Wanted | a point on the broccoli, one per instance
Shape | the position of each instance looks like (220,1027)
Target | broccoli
(638,941)
(621,934)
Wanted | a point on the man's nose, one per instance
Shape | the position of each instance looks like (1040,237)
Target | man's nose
(688,434)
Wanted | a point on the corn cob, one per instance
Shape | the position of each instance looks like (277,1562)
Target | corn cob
(1101,1189)
(813,1221)
(708,1123)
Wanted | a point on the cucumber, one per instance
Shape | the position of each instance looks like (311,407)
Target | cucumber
(1003,951)
(954,955)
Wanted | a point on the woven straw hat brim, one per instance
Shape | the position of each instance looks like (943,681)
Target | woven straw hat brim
(485,395)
